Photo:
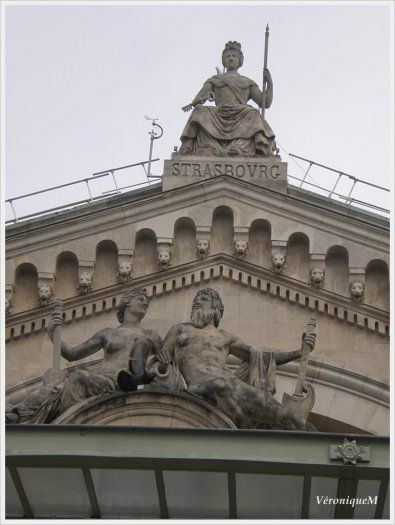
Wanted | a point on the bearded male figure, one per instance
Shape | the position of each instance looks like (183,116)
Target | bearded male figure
(200,350)
(232,128)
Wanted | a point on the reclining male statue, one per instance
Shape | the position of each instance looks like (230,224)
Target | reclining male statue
(200,349)
(126,349)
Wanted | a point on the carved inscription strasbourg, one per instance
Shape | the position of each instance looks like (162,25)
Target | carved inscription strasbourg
(242,171)
(265,173)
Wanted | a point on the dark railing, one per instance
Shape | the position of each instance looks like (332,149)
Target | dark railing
(331,192)
(88,182)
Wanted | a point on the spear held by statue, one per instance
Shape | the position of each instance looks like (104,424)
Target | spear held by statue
(58,309)
(264,69)
(302,400)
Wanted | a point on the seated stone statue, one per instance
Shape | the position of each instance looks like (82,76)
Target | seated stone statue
(232,128)
(126,349)
(199,350)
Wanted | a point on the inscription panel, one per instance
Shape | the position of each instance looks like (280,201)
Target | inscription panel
(268,173)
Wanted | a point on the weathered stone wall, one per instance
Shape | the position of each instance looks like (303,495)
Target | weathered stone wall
(171,243)
(347,249)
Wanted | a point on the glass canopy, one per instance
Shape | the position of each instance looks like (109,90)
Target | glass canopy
(72,471)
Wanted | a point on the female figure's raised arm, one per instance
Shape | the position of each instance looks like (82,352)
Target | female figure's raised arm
(85,349)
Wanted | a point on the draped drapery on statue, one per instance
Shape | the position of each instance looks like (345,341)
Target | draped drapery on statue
(260,371)
(232,128)
(227,130)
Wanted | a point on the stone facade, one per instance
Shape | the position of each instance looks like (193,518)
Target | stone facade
(121,243)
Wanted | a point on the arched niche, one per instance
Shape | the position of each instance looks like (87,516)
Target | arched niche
(66,275)
(26,288)
(377,284)
(337,270)
(184,241)
(298,257)
(145,252)
(106,264)
(222,231)
(260,243)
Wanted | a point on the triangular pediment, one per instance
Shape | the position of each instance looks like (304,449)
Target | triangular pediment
(296,294)
(264,309)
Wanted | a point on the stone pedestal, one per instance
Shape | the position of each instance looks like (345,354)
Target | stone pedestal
(264,172)
(147,409)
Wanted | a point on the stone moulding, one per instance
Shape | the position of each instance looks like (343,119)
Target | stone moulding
(342,378)
(146,408)
(299,206)
(218,266)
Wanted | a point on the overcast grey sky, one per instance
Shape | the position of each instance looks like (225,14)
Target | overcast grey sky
(79,80)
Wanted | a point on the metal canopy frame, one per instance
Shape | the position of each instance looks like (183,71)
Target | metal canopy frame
(227,451)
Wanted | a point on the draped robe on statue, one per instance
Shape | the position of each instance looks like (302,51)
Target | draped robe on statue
(232,128)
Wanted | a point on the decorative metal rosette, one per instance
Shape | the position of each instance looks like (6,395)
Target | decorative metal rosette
(350,451)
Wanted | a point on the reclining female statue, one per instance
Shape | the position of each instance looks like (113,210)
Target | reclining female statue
(232,128)
(126,349)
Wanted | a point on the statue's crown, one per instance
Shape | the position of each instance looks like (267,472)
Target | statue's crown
(232,44)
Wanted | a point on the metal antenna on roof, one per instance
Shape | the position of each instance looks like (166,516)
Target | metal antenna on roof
(155,133)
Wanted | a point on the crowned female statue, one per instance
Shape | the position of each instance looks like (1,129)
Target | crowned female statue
(232,127)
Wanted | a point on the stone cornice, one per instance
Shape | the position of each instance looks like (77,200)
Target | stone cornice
(366,229)
(219,266)
(84,210)
(337,207)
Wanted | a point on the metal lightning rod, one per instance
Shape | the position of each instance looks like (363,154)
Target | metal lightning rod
(265,67)
(154,134)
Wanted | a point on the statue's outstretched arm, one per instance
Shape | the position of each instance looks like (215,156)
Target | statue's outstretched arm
(85,349)
(240,349)
(202,95)
(286,357)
